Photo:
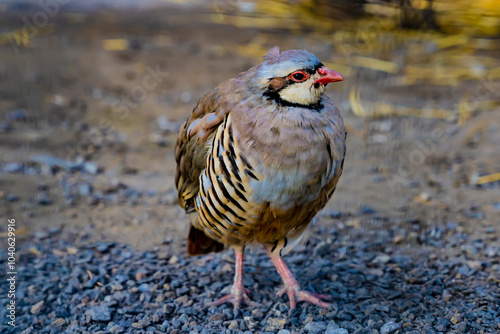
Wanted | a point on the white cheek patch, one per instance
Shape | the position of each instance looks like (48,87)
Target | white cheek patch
(302,93)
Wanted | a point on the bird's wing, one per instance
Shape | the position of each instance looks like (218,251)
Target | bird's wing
(193,146)
(192,149)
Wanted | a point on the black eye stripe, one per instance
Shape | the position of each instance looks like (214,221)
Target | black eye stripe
(310,71)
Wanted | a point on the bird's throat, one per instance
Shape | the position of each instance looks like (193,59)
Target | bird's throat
(276,97)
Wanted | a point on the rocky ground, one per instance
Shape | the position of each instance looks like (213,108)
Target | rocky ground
(440,280)
(408,244)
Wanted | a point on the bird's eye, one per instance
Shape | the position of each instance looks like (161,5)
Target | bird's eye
(298,76)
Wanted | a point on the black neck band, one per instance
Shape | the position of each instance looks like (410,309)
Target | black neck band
(275,96)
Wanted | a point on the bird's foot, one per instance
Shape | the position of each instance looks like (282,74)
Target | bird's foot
(295,294)
(237,295)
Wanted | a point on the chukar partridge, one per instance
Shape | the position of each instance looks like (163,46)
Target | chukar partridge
(257,158)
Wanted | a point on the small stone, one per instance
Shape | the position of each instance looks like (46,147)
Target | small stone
(144,287)
(336,331)
(447,295)
(168,125)
(41,234)
(491,251)
(12,167)
(333,214)
(251,324)
(377,138)
(442,324)
(58,322)
(284,331)
(315,327)
(472,213)
(389,328)
(366,210)
(276,323)
(5,127)
(159,139)
(17,115)
(474,265)
(44,199)
(140,275)
(169,198)
(99,313)
(35,309)
(257,314)
(456,318)
(90,168)
(233,325)
(344,316)
(173,260)
(11,198)
(381,259)
(451,225)
(84,189)
(398,239)
(227,268)
(461,327)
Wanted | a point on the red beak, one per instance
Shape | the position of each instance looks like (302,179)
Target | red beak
(328,76)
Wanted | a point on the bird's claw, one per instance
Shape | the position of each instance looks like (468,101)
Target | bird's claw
(295,294)
(237,295)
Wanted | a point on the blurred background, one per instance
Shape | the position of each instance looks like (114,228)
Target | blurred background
(92,94)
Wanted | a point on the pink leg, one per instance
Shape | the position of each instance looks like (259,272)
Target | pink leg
(238,291)
(292,287)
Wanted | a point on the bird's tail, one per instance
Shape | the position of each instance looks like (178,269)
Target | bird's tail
(199,243)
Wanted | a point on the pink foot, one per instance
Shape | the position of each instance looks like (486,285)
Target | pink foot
(292,288)
(295,294)
(238,292)
(237,295)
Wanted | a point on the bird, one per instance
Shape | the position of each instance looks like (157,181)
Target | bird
(259,156)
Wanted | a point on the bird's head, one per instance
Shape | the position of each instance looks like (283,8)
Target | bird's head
(294,78)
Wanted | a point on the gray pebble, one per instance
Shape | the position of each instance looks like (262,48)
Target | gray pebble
(12,167)
(99,313)
(336,331)
(366,210)
(90,168)
(442,324)
(315,327)
(5,127)
(44,199)
(12,198)
(389,328)
(37,308)
(17,115)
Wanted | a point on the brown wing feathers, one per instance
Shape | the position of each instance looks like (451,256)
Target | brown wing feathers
(190,154)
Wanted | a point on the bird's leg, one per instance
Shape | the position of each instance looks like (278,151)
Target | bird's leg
(292,288)
(238,292)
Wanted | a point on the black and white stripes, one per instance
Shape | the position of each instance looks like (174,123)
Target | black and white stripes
(223,201)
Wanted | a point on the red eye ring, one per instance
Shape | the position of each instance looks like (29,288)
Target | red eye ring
(299,76)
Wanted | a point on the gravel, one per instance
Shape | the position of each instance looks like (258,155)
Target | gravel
(446,282)
(389,328)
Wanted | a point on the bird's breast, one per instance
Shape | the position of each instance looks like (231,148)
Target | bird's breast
(291,159)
